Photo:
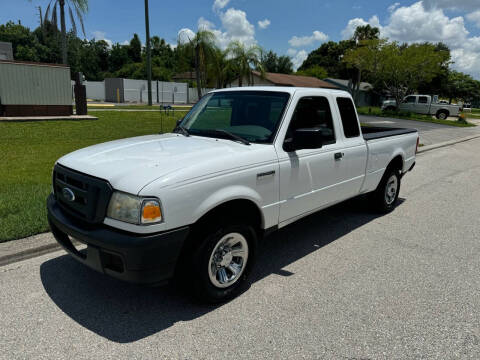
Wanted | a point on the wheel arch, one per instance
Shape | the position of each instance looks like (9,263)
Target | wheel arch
(396,163)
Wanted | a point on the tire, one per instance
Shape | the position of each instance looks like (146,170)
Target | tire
(442,115)
(385,197)
(390,108)
(210,272)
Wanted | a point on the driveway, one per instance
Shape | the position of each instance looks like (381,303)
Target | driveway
(430,133)
(342,283)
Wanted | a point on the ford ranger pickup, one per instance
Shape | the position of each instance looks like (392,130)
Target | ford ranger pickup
(192,204)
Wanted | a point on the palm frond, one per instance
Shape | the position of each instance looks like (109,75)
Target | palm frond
(54,15)
(47,13)
(81,7)
(72,20)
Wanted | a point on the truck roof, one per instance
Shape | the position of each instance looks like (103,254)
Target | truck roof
(288,89)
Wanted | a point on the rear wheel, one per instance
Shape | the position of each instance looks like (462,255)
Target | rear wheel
(385,197)
(442,114)
(222,262)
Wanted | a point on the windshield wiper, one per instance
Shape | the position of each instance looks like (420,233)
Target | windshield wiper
(182,130)
(232,136)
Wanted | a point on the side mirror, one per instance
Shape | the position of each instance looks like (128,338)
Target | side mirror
(304,139)
(179,121)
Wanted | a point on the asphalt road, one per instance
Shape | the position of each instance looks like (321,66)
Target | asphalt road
(430,133)
(343,283)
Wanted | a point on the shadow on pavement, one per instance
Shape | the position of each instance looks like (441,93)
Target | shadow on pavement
(123,312)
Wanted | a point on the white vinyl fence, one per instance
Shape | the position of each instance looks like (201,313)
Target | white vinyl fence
(95,90)
(193,94)
(136,91)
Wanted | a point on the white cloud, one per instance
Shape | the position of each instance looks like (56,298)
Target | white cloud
(204,24)
(126,42)
(474,17)
(219,4)
(416,24)
(292,52)
(100,35)
(308,40)
(263,24)
(185,35)
(348,32)
(298,59)
(392,7)
(235,26)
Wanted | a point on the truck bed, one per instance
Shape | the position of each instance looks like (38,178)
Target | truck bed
(377,132)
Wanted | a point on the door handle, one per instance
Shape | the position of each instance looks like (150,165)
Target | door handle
(339,155)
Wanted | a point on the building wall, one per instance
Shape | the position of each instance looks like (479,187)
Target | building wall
(193,94)
(257,81)
(31,84)
(95,90)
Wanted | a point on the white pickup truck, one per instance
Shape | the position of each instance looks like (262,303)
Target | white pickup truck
(423,104)
(242,163)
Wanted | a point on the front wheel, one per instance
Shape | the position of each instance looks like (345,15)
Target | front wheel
(442,115)
(222,262)
(385,197)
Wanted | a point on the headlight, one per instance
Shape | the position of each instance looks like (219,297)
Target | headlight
(134,209)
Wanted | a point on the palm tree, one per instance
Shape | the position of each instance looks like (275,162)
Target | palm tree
(79,7)
(221,68)
(245,59)
(203,46)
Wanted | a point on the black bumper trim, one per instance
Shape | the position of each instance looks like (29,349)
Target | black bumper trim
(147,259)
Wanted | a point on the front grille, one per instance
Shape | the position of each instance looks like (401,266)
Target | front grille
(83,196)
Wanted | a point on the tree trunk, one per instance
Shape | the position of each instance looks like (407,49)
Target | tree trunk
(64,31)
(197,72)
(356,87)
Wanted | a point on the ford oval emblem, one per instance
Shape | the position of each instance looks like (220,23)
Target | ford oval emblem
(68,194)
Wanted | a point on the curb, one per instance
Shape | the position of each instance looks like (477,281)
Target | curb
(27,248)
(41,244)
(446,143)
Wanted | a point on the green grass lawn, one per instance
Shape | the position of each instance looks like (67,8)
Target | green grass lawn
(472,115)
(30,149)
(376,111)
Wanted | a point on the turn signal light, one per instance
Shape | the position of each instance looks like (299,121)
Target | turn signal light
(151,212)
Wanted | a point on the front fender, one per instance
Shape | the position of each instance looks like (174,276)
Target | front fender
(226,194)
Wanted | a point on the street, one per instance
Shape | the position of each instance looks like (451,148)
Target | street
(342,283)
(430,133)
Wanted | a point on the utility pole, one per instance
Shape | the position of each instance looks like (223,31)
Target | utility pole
(149,55)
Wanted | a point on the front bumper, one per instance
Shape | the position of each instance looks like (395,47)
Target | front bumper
(145,259)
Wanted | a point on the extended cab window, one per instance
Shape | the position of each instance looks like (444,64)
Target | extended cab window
(349,117)
(423,100)
(313,112)
(410,100)
(251,115)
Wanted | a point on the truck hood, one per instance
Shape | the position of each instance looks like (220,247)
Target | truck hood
(131,164)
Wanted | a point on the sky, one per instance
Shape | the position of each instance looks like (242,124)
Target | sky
(291,28)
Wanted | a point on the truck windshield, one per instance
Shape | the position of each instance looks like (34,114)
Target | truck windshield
(251,115)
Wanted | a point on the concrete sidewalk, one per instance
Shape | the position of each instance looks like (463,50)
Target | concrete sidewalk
(46,118)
